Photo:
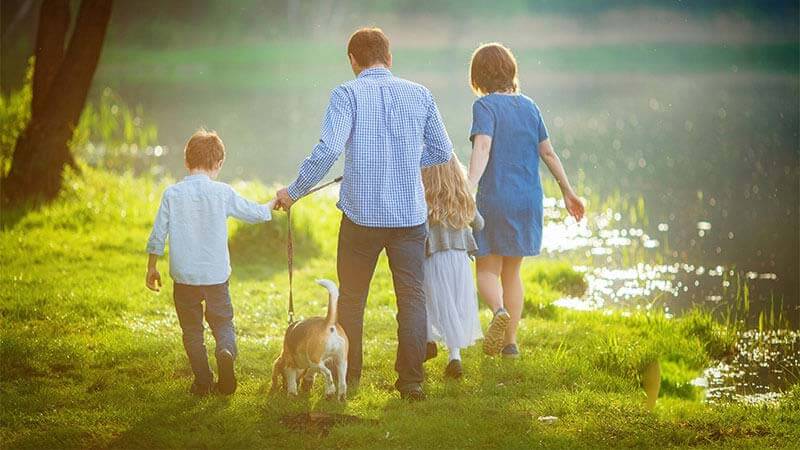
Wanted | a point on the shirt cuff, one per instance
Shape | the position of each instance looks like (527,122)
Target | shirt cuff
(294,191)
(155,249)
(266,215)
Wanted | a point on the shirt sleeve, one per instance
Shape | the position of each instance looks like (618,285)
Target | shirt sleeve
(246,210)
(158,237)
(542,129)
(336,128)
(482,120)
(437,146)
(477,223)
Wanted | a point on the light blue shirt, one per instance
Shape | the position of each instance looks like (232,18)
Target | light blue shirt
(193,213)
(388,128)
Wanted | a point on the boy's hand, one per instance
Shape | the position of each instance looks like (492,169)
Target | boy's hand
(153,279)
(271,204)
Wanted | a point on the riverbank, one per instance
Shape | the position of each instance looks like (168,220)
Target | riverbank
(90,358)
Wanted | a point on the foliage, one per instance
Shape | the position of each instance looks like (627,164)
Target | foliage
(90,358)
(114,136)
(109,135)
(15,112)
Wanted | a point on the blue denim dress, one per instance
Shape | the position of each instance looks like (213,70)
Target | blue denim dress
(510,190)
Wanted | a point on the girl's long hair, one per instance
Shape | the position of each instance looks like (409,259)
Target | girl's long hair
(447,192)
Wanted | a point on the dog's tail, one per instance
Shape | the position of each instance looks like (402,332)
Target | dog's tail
(333,300)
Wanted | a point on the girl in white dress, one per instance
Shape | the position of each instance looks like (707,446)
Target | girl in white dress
(451,298)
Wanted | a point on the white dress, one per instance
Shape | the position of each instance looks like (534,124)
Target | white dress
(451,299)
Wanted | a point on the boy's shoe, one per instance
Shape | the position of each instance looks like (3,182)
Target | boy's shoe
(510,351)
(201,389)
(226,385)
(413,394)
(454,369)
(493,342)
(431,351)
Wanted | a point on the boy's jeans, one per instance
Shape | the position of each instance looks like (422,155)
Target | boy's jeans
(219,315)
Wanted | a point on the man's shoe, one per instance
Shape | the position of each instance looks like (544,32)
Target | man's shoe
(430,350)
(227,379)
(495,334)
(510,351)
(201,389)
(413,394)
(454,369)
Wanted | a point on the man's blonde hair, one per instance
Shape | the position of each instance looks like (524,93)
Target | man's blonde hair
(447,192)
(204,150)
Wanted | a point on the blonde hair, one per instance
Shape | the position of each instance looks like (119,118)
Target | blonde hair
(447,192)
(204,150)
(493,68)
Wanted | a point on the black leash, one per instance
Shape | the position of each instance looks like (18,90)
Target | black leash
(290,244)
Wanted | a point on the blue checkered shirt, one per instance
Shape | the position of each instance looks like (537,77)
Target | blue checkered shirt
(388,129)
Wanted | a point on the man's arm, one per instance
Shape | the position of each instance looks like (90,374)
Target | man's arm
(437,145)
(336,127)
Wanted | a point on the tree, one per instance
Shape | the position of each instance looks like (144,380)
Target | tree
(61,80)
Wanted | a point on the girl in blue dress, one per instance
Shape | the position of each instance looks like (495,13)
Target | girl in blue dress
(508,137)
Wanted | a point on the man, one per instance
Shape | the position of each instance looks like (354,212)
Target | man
(388,129)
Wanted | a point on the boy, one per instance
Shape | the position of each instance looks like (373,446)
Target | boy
(193,213)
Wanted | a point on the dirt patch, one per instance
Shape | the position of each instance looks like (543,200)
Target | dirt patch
(319,422)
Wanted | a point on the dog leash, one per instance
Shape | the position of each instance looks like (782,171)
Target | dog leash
(290,244)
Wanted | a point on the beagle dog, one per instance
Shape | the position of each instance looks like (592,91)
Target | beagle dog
(308,346)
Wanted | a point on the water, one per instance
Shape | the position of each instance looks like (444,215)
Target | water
(610,253)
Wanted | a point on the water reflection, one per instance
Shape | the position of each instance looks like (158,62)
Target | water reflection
(626,268)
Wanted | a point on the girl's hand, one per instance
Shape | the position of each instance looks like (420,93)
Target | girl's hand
(574,205)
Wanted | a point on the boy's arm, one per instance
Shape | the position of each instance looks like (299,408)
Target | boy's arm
(248,211)
(156,244)
(153,278)
(437,146)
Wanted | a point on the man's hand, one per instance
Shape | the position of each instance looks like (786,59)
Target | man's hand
(574,205)
(153,279)
(284,201)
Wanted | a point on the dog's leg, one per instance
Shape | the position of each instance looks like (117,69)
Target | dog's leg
(308,380)
(330,389)
(277,371)
(291,380)
(341,370)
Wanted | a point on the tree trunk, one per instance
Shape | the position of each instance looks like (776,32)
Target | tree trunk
(41,151)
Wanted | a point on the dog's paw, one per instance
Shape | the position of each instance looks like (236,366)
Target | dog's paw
(342,398)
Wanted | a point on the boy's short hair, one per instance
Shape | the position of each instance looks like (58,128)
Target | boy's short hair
(204,150)
(369,46)
(493,68)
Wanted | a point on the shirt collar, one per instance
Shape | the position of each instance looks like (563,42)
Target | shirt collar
(197,176)
(375,71)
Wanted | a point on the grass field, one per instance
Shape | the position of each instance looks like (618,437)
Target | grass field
(90,358)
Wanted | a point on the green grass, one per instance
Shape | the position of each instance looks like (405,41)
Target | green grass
(90,358)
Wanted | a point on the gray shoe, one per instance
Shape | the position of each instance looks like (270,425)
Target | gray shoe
(495,334)
(226,385)
(510,351)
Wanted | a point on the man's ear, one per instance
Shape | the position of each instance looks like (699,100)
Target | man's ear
(389,64)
